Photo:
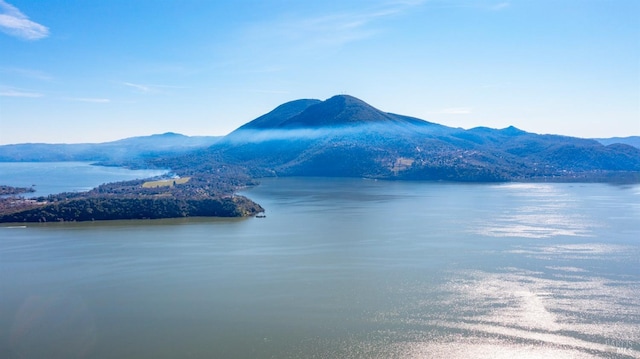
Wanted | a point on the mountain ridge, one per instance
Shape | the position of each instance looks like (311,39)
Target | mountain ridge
(344,136)
(339,137)
(629,140)
(132,149)
(339,110)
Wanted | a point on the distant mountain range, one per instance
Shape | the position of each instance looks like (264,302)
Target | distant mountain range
(344,136)
(340,137)
(631,141)
(128,150)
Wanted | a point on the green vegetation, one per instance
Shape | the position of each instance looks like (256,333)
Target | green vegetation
(111,208)
(198,195)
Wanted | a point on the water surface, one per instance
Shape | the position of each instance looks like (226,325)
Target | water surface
(56,177)
(339,268)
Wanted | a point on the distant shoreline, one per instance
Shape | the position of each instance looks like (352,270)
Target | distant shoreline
(11,190)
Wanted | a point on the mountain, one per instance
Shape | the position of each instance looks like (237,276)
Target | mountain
(128,150)
(344,136)
(631,141)
(279,114)
(339,110)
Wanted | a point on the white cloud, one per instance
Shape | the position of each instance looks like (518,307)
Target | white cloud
(28,73)
(138,87)
(500,6)
(19,93)
(15,23)
(148,89)
(89,99)
(333,29)
(407,2)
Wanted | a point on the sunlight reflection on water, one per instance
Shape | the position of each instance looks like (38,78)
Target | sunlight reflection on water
(460,348)
(547,211)
(526,314)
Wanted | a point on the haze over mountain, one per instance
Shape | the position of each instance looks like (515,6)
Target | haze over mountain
(126,150)
(341,137)
(631,141)
(344,136)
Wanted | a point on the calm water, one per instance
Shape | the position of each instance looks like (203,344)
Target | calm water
(56,177)
(340,268)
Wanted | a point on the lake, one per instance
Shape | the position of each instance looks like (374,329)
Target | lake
(339,268)
(56,177)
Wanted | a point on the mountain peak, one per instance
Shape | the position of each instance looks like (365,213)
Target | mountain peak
(168,135)
(337,111)
(512,131)
(280,114)
(346,100)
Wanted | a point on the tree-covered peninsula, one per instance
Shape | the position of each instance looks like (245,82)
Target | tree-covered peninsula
(10,190)
(198,196)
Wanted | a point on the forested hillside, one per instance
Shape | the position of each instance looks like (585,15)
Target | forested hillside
(343,136)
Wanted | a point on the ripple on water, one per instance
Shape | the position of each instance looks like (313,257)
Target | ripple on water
(546,211)
(519,313)
(535,308)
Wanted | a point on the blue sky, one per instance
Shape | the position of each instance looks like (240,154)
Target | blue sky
(94,71)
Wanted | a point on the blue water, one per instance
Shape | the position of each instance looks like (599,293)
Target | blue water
(56,177)
(339,268)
